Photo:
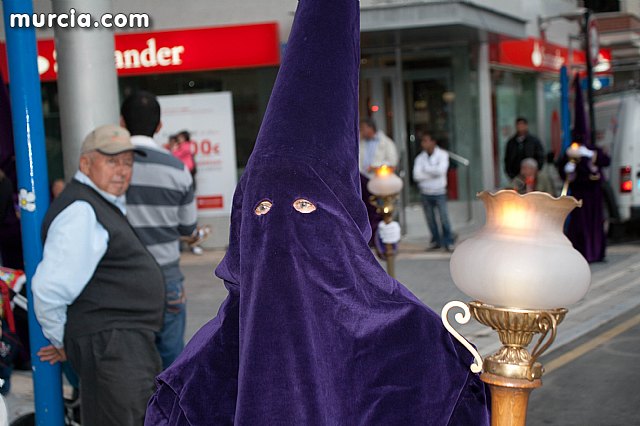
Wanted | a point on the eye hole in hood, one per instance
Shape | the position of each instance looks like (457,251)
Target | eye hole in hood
(263,207)
(304,206)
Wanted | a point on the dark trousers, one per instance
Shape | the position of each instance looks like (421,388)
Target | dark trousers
(431,203)
(117,370)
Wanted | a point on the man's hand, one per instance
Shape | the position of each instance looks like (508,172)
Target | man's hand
(51,354)
(389,232)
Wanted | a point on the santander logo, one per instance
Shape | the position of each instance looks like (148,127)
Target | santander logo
(150,57)
(166,51)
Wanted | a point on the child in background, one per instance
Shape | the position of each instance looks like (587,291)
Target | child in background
(181,147)
(184,152)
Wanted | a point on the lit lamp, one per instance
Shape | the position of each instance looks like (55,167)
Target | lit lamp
(385,186)
(522,271)
(573,153)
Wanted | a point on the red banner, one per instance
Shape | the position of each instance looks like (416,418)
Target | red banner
(197,49)
(540,55)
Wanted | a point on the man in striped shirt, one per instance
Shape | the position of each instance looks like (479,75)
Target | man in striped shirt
(161,208)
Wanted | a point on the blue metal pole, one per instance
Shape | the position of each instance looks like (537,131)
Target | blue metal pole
(31,163)
(564,109)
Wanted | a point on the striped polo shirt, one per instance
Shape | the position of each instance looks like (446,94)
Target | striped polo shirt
(160,201)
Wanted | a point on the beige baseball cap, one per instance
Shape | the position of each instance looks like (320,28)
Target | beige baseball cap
(109,139)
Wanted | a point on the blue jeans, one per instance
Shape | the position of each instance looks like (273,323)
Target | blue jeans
(431,203)
(170,339)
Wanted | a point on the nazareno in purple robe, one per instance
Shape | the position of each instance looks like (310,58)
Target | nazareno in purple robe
(314,332)
(585,226)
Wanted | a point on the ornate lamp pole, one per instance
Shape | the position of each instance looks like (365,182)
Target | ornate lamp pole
(522,270)
(385,186)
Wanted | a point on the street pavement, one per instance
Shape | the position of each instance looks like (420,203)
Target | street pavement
(592,381)
(614,293)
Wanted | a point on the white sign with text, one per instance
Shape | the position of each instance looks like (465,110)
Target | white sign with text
(208,117)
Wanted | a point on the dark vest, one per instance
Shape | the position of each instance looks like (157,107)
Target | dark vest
(127,287)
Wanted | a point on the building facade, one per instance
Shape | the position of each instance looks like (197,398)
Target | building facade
(459,70)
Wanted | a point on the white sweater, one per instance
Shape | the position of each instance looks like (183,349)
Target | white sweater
(430,172)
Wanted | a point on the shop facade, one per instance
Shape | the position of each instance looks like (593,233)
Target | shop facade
(437,67)
(525,81)
(243,60)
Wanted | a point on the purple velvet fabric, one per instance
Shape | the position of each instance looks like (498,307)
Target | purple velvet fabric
(314,332)
(372,213)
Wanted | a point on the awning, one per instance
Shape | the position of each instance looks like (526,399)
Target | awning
(446,21)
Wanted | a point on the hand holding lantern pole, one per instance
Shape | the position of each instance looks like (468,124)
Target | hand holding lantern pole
(574,153)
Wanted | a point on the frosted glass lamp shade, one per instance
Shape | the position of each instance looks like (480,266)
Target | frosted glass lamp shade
(521,258)
(384,182)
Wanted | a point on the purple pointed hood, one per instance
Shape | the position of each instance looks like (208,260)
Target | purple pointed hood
(580,131)
(314,331)
(312,116)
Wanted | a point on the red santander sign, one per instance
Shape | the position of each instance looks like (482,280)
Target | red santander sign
(540,55)
(198,49)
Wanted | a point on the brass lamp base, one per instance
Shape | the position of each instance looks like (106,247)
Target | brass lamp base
(516,328)
(385,207)
(512,372)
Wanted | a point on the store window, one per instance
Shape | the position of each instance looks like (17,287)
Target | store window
(250,89)
(602,6)
(514,95)
(552,124)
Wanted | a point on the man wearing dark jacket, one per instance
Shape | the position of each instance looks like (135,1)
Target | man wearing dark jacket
(522,145)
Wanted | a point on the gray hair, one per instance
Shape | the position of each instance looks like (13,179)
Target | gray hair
(531,162)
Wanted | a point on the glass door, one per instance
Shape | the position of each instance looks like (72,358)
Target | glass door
(429,98)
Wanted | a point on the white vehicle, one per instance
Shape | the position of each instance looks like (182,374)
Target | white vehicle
(618,133)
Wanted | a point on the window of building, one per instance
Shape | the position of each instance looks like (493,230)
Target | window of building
(602,6)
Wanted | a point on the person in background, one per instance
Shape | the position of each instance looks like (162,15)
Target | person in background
(585,226)
(161,208)
(529,179)
(551,173)
(376,149)
(57,186)
(183,150)
(98,293)
(172,143)
(430,172)
(181,146)
(522,145)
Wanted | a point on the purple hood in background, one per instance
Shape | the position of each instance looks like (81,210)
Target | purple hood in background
(314,332)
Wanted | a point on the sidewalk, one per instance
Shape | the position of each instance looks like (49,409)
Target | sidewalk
(615,290)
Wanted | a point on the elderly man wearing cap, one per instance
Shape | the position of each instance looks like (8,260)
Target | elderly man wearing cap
(98,293)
